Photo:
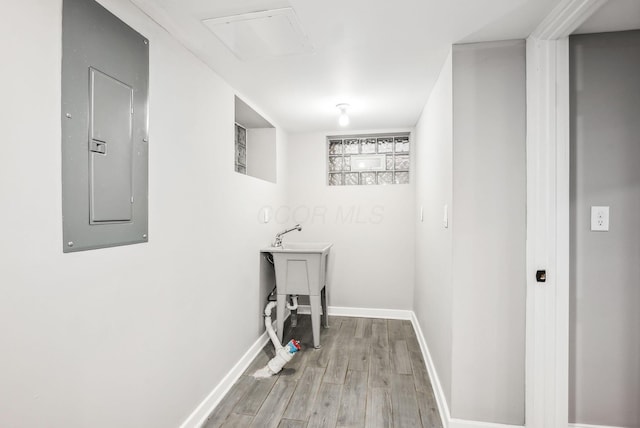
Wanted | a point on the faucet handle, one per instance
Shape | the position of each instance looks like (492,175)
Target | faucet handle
(278,241)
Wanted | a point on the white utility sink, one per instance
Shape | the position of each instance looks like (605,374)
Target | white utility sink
(300,247)
(301,268)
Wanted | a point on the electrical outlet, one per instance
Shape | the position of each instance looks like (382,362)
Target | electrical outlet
(600,219)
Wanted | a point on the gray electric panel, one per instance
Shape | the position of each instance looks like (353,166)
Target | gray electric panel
(105,78)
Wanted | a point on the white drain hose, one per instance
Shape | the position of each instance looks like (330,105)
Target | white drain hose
(284,354)
(269,326)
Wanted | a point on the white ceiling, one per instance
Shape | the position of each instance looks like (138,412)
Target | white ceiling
(615,15)
(380,56)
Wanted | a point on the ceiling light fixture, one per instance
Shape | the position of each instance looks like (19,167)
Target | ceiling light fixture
(343,120)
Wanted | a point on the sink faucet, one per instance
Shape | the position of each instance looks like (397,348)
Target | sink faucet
(278,240)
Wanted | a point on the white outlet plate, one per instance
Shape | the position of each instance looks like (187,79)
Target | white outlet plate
(600,219)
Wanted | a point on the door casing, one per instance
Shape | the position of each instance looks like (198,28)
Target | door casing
(548,221)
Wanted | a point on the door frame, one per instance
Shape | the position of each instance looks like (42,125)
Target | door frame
(548,222)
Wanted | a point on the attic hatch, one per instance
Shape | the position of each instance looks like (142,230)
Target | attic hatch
(261,35)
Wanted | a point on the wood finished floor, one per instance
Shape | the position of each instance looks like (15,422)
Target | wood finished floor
(368,373)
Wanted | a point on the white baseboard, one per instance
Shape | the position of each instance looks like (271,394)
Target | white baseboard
(443,407)
(591,426)
(463,423)
(340,311)
(202,412)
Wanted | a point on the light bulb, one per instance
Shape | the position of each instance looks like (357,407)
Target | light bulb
(343,120)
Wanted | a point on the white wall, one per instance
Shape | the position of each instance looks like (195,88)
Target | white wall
(372,228)
(470,282)
(131,336)
(604,365)
(489,197)
(261,153)
(433,290)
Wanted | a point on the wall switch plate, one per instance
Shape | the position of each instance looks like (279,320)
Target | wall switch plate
(265,215)
(421,214)
(445,219)
(600,219)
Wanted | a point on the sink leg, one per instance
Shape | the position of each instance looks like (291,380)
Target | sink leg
(325,312)
(282,305)
(315,319)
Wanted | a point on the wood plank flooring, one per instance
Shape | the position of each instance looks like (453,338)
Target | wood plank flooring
(368,373)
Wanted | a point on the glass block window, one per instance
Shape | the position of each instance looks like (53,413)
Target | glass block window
(368,159)
(241,149)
